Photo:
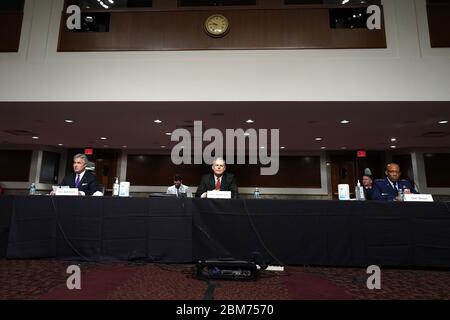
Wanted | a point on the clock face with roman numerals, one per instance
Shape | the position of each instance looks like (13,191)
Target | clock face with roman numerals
(217,25)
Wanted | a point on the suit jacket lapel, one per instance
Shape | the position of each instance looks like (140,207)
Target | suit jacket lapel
(212,180)
(72,180)
(83,179)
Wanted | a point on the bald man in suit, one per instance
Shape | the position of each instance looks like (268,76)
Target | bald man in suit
(387,189)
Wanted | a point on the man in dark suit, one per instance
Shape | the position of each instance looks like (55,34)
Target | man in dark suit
(218,180)
(84,180)
(387,189)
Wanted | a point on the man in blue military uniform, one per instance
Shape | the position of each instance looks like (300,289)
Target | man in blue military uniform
(387,189)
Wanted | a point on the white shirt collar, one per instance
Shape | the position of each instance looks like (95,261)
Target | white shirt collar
(392,183)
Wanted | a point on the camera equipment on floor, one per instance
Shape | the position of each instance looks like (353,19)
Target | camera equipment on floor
(227,269)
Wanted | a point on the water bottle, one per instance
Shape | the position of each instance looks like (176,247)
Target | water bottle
(359,192)
(256,194)
(401,194)
(116,188)
(32,189)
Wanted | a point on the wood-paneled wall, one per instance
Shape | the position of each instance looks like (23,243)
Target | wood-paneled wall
(284,28)
(10,29)
(439,23)
(157,170)
(437,168)
(15,165)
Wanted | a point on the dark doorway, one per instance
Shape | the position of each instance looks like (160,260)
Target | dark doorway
(347,168)
(342,172)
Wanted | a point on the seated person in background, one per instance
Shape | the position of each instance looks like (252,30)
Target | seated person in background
(84,180)
(179,188)
(367,182)
(218,180)
(387,189)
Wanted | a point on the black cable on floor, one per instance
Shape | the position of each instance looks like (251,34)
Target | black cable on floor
(209,293)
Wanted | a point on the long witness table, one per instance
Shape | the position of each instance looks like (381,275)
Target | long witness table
(337,233)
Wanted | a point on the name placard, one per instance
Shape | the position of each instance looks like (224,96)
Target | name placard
(215,194)
(344,191)
(411,197)
(66,192)
(124,189)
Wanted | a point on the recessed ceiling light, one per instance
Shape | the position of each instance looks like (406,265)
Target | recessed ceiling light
(282,147)
(393,147)
(60,144)
(246,134)
(35,137)
(68,121)
(157,121)
(318,139)
(323,148)
(343,148)
(393,139)
(345,121)
(163,147)
(106,146)
(168,133)
(261,147)
(124,146)
(103,138)
(443,122)
(250,121)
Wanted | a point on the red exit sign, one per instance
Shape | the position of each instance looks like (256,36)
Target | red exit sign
(361,153)
(88,151)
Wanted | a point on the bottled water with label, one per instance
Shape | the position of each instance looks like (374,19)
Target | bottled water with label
(116,187)
(359,192)
(401,194)
(32,189)
(256,194)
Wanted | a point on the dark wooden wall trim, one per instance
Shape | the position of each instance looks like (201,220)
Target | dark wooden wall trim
(291,28)
(439,23)
(294,172)
(15,165)
(10,29)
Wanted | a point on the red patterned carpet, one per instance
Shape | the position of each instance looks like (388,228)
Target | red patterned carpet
(46,279)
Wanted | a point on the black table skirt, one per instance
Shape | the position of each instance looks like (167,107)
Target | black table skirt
(339,233)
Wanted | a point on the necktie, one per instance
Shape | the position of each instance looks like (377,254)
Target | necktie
(395,186)
(218,184)
(178,192)
(77,181)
